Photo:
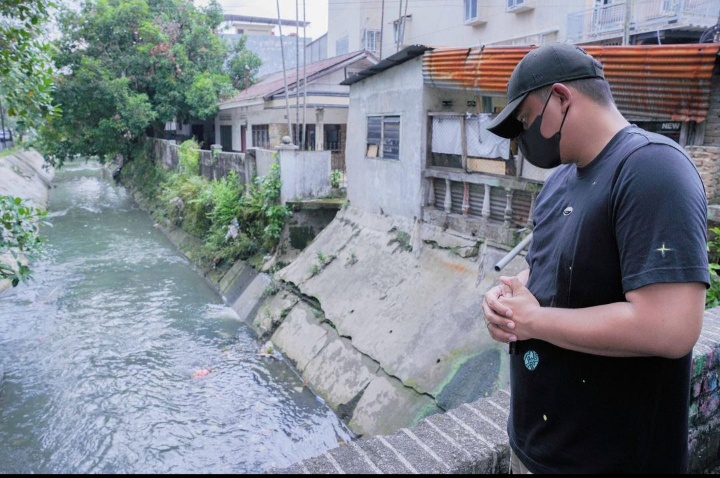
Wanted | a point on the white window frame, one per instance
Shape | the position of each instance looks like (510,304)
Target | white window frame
(468,10)
(260,134)
(371,40)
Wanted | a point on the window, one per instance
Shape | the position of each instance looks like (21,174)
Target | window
(261,136)
(371,40)
(332,137)
(226,137)
(383,137)
(519,6)
(342,46)
(470,10)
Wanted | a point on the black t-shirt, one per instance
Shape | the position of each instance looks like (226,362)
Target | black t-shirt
(634,216)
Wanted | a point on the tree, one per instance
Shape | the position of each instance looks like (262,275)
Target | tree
(243,65)
(130,66)
(25,68)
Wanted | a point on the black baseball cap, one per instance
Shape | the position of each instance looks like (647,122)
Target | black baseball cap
(543,66)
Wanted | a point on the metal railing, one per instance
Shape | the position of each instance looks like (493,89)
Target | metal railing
(608,21)
(506,201)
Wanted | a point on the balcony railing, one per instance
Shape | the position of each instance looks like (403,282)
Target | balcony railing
(502,200)
(608,21)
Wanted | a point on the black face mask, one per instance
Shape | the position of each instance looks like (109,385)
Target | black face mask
(541,151)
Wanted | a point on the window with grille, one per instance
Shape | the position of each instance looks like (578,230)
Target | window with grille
(371,40)
(261,136)
(383,137)
(332,137)
(513,4)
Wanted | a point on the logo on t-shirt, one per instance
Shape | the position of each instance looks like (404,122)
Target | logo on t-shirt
(662,250)
(531,359)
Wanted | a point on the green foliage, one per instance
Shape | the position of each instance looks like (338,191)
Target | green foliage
(235,221)
(26,72)
(712,297)
(189,158)
(243,65)
(145,176)
(20,238)
(129,66)
(335,178)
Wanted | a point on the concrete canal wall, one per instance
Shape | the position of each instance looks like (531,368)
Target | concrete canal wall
(25,174)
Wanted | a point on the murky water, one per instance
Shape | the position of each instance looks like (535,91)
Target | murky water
(99,353)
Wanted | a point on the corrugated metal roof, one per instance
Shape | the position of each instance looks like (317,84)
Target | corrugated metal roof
(275,82)
(647,81)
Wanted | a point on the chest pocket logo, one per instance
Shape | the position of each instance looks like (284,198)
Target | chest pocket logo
(568,210)
(531,360)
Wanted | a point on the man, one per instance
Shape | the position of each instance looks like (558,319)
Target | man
(604,321)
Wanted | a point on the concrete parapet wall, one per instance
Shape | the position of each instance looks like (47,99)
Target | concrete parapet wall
(470,439)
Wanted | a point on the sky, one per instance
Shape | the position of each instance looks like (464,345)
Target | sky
(316,12)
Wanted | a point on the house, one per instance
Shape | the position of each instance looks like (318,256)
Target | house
(528,22)
(262,39)
(312,109)
(418,147)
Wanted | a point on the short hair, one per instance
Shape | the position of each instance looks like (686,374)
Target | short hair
(597,89)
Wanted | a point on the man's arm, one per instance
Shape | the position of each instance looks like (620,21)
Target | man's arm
(662,319)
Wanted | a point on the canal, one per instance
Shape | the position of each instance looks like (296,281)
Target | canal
(119,358)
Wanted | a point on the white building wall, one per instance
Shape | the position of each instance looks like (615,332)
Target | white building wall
(393,187)
(442,23)
(347,18)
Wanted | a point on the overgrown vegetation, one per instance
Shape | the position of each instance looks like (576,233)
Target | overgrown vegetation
(234,220)
(335,178)
(712,297)
(19,238)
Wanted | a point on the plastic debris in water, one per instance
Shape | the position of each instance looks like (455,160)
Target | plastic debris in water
(268,349)
(204,372)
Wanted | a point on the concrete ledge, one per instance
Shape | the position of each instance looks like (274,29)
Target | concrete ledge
(468,439)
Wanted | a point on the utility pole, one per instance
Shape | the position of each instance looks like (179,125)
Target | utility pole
(297,77)
(397,31)
(382,26)
(626,22)
(304,130)
(282,53)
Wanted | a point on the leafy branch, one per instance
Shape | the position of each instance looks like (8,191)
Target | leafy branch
(18,237)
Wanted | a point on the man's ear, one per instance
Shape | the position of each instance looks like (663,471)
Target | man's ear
(565,95)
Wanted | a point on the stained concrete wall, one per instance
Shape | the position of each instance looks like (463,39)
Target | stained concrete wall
(380,315)
(386,186)
(304,174)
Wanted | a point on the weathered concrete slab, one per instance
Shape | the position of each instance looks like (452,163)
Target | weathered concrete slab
(24,174)
(248,302)
(300,337)
(339,373)
(272,312)
(387,405)
(418,311)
